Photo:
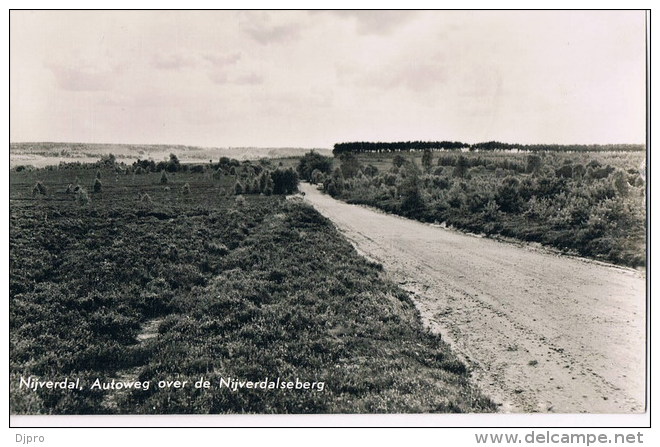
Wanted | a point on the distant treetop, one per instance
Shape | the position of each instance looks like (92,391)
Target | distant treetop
(402,146)
(365,146)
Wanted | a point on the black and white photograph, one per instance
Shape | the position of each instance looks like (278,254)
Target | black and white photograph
(327,212)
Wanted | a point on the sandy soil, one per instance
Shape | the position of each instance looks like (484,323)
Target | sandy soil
(541,332)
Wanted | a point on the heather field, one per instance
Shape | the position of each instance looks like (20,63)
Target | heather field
(129,274)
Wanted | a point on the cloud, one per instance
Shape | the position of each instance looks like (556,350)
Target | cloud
(249,79)
(220,63)
(83,78)
(421,77)
(222,77)
(260,28)
(418,78)
(223,59)
(377,22)
(172,61)
(219,77)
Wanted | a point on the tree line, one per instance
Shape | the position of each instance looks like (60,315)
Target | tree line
(403,146)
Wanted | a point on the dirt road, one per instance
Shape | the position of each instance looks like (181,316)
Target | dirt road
(541,332)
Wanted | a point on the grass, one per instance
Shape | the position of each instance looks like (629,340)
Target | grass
(251,288)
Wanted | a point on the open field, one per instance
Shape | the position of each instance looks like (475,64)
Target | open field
(542,332)
(148,281)
(45,154)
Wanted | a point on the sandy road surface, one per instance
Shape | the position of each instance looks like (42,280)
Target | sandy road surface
(541,332)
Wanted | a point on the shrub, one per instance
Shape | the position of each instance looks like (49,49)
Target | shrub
(311,162)
(39,188)
(350,165)
(565,171)
(461,167)
(601,173)
(398,161)
(268,189)
(534,163)
(82,198)
(427,159)
(491,209)
(508,195)
(238,188)
(163,178)
(316,177)
(620,181)
(173,164)
(334,185)
(410,191)
(579,171)
(285,181)
(97,185)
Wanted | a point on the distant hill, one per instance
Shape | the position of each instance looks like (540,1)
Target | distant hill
(45,153)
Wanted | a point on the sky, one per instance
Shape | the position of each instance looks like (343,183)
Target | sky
(315,78)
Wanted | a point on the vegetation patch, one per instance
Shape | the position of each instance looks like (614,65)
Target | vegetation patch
(246,289)
(588,203)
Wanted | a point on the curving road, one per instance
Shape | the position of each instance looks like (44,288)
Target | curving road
(541,332)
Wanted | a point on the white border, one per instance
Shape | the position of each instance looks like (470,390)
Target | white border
(508,420)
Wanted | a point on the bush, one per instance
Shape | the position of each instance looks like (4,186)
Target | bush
(508,195)
(350,165)
(145,198)
(39,188)
(565,171)
(398,161)
(311,162)
(410,191)
(285,181)
(173,164)
(547,198)
(97,185)
(534,163)
(163,178)
(82,198)
(427,159)
(461,167)
(317,177)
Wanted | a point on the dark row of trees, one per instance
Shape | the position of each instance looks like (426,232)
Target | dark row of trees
(498,146)
(364,146)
